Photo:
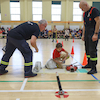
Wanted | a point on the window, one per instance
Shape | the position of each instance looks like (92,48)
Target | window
(15,10)
(0,11)
(56,11)
(37,10)
(0,16)
(77,12)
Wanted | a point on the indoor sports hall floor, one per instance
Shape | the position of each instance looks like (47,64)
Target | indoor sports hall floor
(78,85)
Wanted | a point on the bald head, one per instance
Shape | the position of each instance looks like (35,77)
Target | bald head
(84,5)
(83,2)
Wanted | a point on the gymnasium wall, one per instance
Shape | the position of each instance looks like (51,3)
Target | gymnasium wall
(26,12)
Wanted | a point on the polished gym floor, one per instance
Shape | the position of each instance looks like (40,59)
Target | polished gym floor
(78,85)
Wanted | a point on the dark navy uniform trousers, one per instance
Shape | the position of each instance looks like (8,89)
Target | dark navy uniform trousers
(91,47)
(25,50)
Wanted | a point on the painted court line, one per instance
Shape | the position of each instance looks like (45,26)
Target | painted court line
(49,90)
(65,81)
(95,77)
(18,99)
(24,83)
(50,81)
(11,81)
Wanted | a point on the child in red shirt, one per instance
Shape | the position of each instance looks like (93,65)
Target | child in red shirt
(58,57)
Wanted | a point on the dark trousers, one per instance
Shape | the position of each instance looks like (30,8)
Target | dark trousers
(66,37)
(54,35)
(91,51)
(25,50)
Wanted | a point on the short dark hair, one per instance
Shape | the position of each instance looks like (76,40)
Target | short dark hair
(58,45)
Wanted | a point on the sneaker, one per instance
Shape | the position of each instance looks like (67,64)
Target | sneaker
(87,66)
(92,72)
(3,72)
(28,76)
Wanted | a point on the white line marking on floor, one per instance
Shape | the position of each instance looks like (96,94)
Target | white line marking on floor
(24,83)
(48,90)
(18,99)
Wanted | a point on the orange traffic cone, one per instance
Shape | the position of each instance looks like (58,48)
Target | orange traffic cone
(85,60)
(72,52)
(62,43)
(57,41)
(73,40)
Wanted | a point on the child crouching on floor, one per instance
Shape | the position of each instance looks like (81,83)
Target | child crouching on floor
(59,57)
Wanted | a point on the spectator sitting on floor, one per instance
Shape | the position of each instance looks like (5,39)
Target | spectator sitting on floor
(79,35)
(73,34)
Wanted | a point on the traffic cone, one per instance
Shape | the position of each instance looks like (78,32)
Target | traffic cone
(57,41)
(72,52)
(73,40)
(85,60)
(62,43)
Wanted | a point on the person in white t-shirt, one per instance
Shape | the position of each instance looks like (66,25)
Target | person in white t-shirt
(66,34)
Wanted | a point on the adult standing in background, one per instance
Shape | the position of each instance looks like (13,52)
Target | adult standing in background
(54,32)
(66,34)
(90,34)
(17,39)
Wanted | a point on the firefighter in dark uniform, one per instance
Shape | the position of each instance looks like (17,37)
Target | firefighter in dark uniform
(17,39)
(90,34)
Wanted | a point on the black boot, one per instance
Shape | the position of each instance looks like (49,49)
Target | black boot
(93,68)
(2,69)
(92,71)
(3,72)
(31,75)
(88,65)
(28,72)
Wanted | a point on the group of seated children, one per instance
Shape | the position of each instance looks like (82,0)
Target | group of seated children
(3,32)
(61,34)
